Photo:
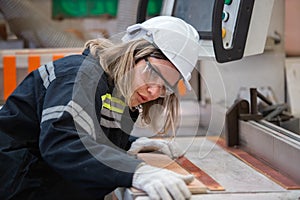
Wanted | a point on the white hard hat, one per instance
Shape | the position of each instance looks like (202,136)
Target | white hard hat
(177,40)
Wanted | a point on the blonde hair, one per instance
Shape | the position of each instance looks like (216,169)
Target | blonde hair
(117,60)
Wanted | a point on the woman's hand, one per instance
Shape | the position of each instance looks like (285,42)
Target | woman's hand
(162,184)
(144,144)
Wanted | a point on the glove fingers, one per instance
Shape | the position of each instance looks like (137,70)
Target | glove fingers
(134,149)
(175,150)
(162,183)
(145,144)
(170,148)
(184,190)
(166,150)
(165,147)
(152,192)
(173,186)
(163,192)
(187,178)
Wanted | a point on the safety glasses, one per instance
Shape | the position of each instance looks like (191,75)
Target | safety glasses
(165,78)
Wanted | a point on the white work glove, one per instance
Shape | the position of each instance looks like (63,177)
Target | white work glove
(145,144)
(162,184)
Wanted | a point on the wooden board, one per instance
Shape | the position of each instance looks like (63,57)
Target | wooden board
(163,161)
(199,174)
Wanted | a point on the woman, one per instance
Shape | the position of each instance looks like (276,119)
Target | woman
(65,130)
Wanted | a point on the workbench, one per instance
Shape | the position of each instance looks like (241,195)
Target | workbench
(239,180)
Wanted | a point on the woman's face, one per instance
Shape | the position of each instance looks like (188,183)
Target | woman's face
(149,85)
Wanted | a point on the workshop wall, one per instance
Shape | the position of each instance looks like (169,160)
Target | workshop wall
(292,49)
(292,28)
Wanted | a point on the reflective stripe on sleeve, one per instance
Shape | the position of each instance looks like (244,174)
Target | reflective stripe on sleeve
(113,103)
(47,73)
(110,124)
(111,111)
(80,116)
(52,113)
(106,112)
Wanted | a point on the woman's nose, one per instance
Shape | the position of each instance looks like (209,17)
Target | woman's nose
(154,91)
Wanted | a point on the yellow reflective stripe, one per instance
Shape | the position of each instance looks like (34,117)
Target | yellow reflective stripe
(112,99)
(103,97)
(112,108)
(113,115)
(118,101)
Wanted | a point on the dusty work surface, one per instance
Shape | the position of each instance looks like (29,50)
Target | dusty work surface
(239,180)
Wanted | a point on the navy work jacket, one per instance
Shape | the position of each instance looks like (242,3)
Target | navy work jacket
(64,135)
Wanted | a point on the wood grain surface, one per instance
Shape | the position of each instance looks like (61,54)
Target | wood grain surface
(163,161)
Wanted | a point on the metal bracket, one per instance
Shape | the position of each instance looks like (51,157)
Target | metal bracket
(232,121)
(240,111)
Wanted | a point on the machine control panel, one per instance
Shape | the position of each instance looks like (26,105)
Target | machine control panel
(229,29)
(229,17)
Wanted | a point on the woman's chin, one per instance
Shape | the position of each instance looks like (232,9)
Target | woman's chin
(133,103)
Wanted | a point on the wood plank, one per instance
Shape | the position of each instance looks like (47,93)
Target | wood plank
(163,161)
(199,174)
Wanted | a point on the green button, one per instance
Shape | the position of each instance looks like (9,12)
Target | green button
(227,2)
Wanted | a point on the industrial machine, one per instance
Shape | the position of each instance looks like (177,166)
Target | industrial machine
(245,152)
(234,36)
(229,30)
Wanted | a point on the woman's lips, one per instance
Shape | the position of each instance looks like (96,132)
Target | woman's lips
(142,98)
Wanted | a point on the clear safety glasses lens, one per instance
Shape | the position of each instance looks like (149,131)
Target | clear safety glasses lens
(167,83)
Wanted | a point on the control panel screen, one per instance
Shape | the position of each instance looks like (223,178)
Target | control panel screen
(198,13)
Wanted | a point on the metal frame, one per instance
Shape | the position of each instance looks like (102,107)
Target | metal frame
(268,144)
(274,145)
